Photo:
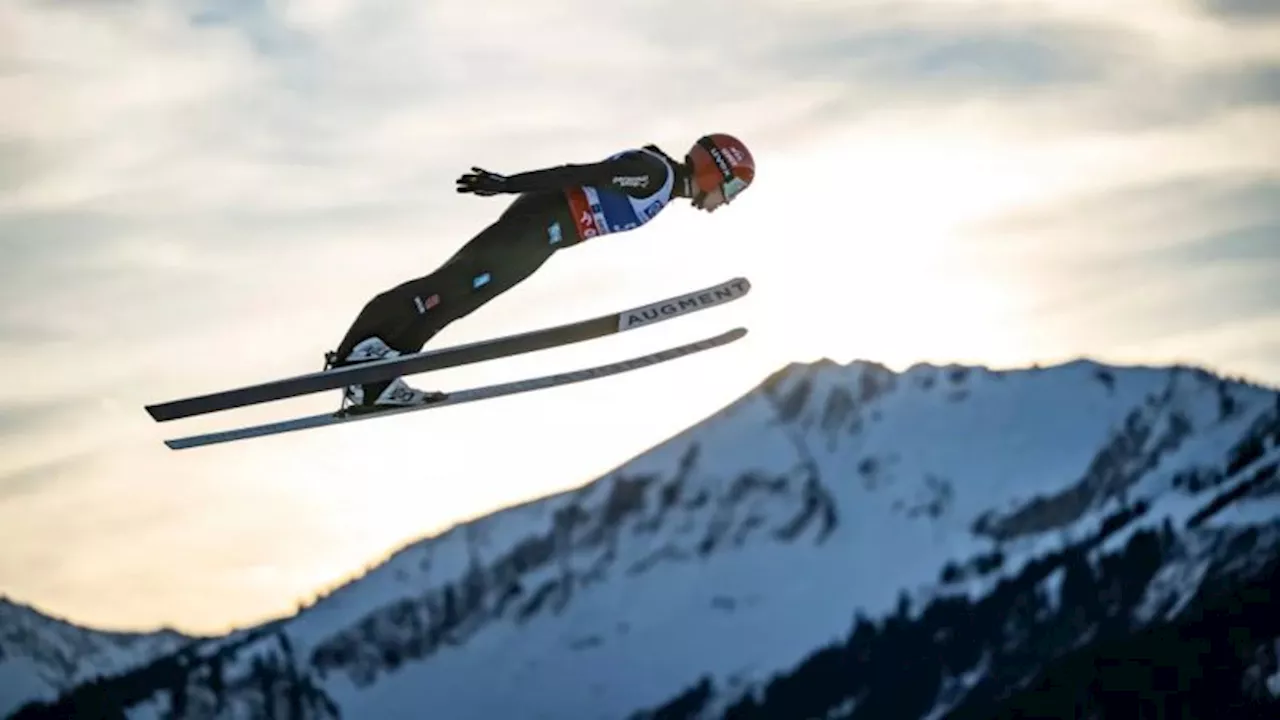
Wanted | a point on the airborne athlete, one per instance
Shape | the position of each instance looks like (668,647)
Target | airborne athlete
(557,207)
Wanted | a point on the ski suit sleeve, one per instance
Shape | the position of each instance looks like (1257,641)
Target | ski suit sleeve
(634,173)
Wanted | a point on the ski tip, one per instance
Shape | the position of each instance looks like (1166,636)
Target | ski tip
(728,336)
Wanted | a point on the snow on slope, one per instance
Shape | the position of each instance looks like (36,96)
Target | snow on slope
(736,548)
(41,656)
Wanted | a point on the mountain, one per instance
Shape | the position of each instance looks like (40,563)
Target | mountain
(42,656)
(843,541)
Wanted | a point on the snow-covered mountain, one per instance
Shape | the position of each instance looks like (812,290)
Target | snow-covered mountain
(42,656)
(841,542)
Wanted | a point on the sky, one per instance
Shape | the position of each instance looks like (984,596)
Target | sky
(196,195)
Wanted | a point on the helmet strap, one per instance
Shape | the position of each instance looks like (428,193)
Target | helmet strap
(721,163)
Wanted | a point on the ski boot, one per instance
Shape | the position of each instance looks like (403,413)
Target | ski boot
(381,395)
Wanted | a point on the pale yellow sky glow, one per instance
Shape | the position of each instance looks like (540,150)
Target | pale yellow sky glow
(200,195)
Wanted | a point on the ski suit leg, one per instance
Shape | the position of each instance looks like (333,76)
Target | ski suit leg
(497,259)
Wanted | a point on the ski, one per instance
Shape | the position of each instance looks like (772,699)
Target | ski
(461,396)
(447,357)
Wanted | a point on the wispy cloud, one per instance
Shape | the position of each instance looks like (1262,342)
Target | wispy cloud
(40,478)
(1243,10)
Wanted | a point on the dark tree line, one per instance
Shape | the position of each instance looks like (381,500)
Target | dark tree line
(1106,667)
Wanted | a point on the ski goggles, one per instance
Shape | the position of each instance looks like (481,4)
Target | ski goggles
(732,188)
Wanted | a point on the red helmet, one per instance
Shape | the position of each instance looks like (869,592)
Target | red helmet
(720,161)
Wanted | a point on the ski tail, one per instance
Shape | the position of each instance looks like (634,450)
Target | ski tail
(504,346)
(464,396)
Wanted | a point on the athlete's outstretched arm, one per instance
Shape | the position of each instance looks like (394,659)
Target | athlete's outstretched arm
(630,173)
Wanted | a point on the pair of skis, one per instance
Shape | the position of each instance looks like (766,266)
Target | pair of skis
(454,356)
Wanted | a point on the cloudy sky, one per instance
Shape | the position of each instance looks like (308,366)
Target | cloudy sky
(199,194)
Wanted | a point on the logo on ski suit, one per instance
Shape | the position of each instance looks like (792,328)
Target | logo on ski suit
(600,212)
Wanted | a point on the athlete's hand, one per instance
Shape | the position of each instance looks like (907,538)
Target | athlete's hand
(482,182)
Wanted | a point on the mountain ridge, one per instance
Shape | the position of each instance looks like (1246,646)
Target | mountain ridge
(817,453)
(42,654)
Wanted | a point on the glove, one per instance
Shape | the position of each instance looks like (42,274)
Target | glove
(482,182)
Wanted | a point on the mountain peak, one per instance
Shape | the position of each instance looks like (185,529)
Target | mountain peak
(42,655)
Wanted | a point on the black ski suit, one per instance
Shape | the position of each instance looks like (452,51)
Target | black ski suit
(529,231)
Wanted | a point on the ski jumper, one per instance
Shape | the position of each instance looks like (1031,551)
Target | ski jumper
(557,208)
